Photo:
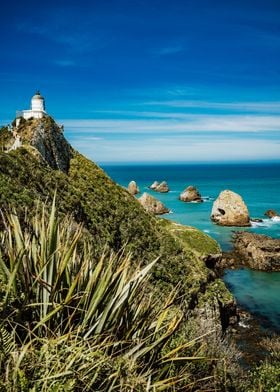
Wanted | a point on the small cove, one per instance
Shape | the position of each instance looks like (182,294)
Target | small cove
(258,184)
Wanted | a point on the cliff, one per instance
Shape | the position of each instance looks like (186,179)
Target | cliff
(47,138)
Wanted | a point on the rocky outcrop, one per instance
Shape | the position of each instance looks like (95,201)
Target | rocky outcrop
(47,137)
(154,185)
(271,213)
(257,251)
(191,194)
(152,205)
(229,209)
(160,187)
(49,140)
(133,188)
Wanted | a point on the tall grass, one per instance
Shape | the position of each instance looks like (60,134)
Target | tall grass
(71,323)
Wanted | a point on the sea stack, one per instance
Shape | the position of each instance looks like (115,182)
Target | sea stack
(154,185)
(191,194)
(229,209)
(133,188)
(152,205)
(160,187)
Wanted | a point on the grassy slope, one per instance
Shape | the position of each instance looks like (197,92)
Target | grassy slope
(111,215)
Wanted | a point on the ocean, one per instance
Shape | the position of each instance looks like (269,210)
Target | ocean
(258,184)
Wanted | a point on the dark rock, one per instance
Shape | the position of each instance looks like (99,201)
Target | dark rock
(257,220)
(228,314)
(219,262)
(212,260)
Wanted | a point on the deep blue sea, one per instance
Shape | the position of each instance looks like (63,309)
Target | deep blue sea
(259,186)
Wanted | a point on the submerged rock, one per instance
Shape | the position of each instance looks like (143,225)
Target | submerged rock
(133,188)
(191,194)
(229,209)
(258,251)
(151,204)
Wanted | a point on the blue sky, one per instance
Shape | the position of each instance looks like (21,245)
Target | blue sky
(149,80)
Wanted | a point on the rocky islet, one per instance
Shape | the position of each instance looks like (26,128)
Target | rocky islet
(229,209)
(191,194)
(132,188)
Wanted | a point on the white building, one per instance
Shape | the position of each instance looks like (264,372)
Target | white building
(37,109)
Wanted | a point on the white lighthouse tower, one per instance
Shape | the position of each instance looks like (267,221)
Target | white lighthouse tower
(38,103)
(37,109)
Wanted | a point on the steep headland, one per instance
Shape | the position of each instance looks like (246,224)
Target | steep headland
(108,212)
(113,221)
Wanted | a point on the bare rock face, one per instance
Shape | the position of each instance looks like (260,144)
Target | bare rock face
(152,205)
(154,185)
(162,187)
(133,188)
(230,210)
(47,137)
(271,213)
(258,251)
(191,194)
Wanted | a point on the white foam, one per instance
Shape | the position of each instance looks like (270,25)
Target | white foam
(207,198)
(266,222)
(206,231)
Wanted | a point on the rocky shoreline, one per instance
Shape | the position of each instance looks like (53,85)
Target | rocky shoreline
(255,251)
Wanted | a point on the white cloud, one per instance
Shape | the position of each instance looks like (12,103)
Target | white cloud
(179,149)
(181,123)
(270,106)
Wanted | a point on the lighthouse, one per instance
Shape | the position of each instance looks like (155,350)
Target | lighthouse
(37,109)
(38,103)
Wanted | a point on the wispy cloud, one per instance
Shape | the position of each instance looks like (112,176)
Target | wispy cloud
(160,136)
(178,149)
(179,123)
(237,106)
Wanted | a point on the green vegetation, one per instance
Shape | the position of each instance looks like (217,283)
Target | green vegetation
(5,138)
(69,323)
(97,294)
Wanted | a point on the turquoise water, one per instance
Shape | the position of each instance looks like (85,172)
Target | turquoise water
(258,184)
(258,292)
